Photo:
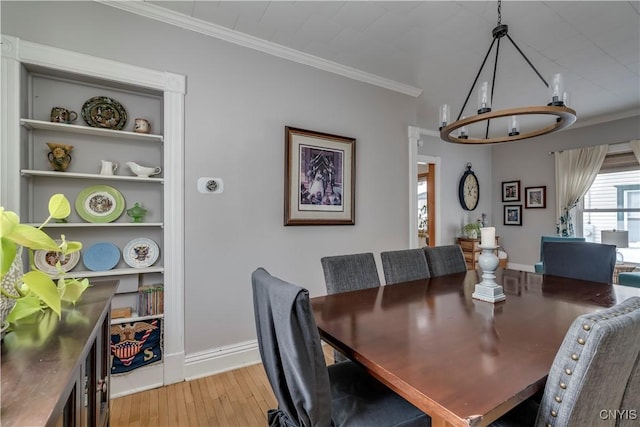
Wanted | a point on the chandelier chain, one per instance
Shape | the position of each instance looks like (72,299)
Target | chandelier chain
(499,12)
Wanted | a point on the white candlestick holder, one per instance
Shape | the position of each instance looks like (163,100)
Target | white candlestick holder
(488,290)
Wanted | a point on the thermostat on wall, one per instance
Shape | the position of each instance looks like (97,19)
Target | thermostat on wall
(210,185)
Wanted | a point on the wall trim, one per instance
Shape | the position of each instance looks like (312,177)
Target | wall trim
(210,362)
(170,17)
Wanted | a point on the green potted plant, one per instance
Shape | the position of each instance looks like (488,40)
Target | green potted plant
(27,294)
(472,230)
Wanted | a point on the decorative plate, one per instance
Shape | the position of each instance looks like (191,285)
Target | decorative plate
(103,112)
(140,252)
(101,256)
(100,203)
(46,261)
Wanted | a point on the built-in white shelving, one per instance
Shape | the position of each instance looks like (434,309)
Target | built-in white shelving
(86,130)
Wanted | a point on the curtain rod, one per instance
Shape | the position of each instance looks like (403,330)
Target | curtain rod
(612,143)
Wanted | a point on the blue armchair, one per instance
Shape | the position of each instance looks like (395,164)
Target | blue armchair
(630,278)
(539,266)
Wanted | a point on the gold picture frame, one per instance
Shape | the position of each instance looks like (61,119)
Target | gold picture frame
(319,178)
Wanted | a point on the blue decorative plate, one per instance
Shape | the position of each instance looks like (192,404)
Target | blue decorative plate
(102,256)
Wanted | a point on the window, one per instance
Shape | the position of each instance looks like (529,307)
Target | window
(613,202)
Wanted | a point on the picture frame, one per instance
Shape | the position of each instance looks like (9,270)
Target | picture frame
(319,178)
(535,197)
(512,214)
(511,191)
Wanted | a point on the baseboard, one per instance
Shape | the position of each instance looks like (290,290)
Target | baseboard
(227,358)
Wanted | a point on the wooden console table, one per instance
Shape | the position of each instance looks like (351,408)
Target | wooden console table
(56,372)
(471,250)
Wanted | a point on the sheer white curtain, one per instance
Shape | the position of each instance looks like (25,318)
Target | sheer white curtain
(635,146)
(575,172)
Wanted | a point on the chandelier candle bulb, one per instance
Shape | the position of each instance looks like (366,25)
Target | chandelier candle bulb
(488,237)
(484,98)
(444,115)
(462,132)
(512,127)
(557,89)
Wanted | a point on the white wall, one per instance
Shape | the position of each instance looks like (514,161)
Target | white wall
(530,162)
(237,104)
(453,164)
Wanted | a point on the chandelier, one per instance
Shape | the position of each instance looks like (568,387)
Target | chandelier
(557,107)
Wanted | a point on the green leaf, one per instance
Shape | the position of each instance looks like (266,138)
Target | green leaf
(8,220)
(30,237)
(42,286)
(73,289)
(8,253)
(24,307)
(59,206)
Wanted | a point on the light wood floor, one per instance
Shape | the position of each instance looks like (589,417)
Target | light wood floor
(235,398)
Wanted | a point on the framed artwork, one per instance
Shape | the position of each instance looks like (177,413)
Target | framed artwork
(319,178)
(535,197)
(512,214)
(511,191)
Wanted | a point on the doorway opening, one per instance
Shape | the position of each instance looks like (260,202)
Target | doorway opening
(426,204)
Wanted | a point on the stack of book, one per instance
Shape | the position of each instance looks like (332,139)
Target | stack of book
(150,300)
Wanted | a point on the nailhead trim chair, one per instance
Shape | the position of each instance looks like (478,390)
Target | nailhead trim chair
(404,265)
(443,260)
(595,370)
(310,393)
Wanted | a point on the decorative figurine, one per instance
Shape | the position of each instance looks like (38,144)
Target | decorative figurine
(59,156)
(137,212)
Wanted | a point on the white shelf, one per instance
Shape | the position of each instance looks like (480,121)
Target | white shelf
(135,318)
(86,130)
(56,174)
(115,272)
(98,224)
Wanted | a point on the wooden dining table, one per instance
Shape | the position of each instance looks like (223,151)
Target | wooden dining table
(462,361)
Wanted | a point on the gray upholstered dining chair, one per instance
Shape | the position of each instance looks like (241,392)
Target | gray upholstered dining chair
(579,260)
(443,260)
(404,265)
(310,393)
(594,374)
(350,272)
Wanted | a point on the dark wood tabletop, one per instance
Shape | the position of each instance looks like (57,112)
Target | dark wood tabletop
(460,360)
(40,361)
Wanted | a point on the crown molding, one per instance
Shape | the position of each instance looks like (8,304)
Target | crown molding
(167,16)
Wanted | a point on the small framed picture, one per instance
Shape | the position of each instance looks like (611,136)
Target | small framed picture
(512,214)
(319,178)
(535,197)
(511,191)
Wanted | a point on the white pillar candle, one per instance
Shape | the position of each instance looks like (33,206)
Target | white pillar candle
(488,236)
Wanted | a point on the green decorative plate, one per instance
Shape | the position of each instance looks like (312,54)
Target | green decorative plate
(100,203)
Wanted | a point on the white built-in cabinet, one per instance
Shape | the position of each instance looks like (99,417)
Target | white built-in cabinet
(36,78)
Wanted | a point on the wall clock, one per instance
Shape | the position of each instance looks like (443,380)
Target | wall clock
(469,190)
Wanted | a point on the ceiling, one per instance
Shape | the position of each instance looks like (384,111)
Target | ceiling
(437,47)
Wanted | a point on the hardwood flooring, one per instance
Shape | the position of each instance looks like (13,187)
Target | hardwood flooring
(238,398)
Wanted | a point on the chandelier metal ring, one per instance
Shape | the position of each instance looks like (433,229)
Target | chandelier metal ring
(565,117)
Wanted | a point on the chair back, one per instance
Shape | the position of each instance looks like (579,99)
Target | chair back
(592,368)
(291,353)
(350,272)
(443,260)
(631,398)
(404,265)
(539,266)
(579,260)
(557,239)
